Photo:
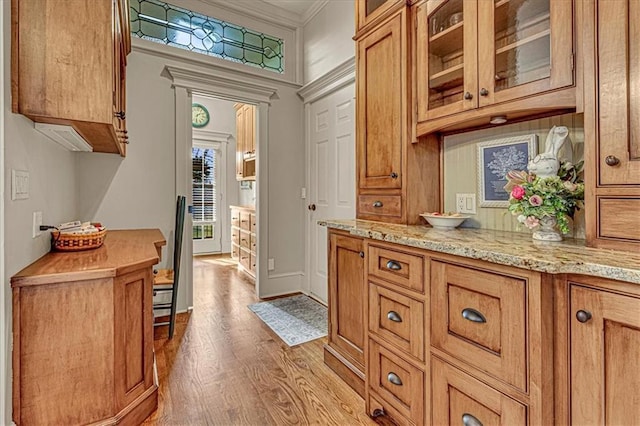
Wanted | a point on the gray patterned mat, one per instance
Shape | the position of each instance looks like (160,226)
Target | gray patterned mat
(296,319)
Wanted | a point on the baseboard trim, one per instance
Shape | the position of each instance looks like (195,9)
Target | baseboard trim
(281,284)
(349,373)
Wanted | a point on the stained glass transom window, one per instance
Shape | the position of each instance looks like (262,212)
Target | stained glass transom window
(174,26)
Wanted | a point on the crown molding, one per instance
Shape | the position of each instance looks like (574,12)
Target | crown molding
(238,89)
(210,135)
(313,11)
(337,78)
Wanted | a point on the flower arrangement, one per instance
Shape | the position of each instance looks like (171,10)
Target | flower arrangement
(534,198)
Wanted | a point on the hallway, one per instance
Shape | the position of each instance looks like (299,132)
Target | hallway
(225,367)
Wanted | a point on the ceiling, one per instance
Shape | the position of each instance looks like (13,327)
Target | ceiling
(299,7)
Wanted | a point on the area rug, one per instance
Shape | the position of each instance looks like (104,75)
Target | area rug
(296,319)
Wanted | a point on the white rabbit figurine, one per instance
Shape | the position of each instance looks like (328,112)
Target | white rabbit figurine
(547,164)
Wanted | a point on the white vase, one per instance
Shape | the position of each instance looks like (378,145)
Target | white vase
(547,230)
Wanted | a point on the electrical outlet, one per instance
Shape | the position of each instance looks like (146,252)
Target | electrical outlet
(271,264)
(37,221)
(466,203)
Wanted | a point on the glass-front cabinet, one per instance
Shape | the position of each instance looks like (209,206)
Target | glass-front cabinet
(369,11)
(477,53)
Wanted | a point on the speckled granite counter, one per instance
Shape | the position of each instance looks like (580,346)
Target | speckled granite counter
(506,248)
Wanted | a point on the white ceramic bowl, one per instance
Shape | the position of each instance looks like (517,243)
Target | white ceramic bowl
(444,222)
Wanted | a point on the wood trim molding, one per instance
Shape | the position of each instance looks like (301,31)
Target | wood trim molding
(240,89)
(334,80)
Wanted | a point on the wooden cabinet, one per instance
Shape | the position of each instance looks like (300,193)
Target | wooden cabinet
(604,345)
(368,12)
(244,238)
(245,142)
(385,159)
(68,67)
(83,334)
(612,123)
(478,59)
(344,351)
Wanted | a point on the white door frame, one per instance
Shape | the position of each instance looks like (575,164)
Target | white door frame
(219,142)
(341,76)
(236,88)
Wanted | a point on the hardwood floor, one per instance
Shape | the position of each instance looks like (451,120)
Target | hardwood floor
(225,367)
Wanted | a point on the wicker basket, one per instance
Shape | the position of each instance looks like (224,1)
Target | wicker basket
(70,242)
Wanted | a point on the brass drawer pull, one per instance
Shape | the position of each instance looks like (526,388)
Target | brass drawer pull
(473,315)
(394,316)
(394,379)
(377,204)
(470,420)
(393,265)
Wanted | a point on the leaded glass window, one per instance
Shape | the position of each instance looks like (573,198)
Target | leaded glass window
(174,26)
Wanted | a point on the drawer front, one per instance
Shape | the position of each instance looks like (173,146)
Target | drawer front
(398,267)
(254,244)
(480,318)
(245,220)
(619,218)
(235,251)
(252,263)
(378,409)
(457,398)
(397,382)
(235,217)
(245,259)
(380,205)
(245,240)
(398,319)
(253,223)
(235,236)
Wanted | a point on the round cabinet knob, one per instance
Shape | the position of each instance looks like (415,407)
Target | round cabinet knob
(583,316)
(378,412)
(312,207)
(377,204)
(468,96)
(361,254)
(394,175)
(612,160)
(484,92)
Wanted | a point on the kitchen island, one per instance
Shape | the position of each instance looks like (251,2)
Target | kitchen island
(83,333)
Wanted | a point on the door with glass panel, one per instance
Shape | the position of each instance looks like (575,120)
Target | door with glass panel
(524,47)
(206,170)
(447,51)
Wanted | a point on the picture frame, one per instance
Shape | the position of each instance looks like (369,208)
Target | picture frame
(495,159)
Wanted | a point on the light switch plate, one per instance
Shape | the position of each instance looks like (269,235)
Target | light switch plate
(271,264)
(466,203)
(19,184)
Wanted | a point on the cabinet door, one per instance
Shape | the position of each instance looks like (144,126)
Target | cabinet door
(249,130)
(368,11)
(618,44)
(524,47)
(240,138)
(347,298)
(605,348)
(447,58)
(382,105)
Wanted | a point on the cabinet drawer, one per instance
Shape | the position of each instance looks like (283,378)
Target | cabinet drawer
(235,251)
(480,318)
(254,244)
(253,223)
(618,218)
(245,240)
(235,218)
(235,236)
(458,398)
(397,382)
(398,319)
(399,267)
(245,220)
(245,259)
(380,205)
(252,263)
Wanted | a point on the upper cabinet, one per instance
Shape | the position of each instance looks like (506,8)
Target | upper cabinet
(68,67)
(612,123)
(245,142)
(369,12)
(478,59)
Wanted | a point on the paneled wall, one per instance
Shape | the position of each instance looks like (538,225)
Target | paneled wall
(460,167)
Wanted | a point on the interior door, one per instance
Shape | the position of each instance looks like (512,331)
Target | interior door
(332,168)
(206,172)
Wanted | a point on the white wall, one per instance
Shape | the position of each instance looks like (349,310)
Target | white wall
(328,38)
(52,191)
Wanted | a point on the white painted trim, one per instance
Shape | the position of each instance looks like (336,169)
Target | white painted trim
(216,64)
(210,135)
(342,75)
(237,88)
(308,227)
(5,322)
(260,11)
(285,283)
(313,10)
(262,195)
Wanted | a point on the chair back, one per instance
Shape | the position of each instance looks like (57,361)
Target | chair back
(177,243)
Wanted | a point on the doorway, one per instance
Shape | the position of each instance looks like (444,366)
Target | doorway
(208,169)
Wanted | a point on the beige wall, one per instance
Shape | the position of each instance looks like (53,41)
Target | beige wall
(460,167)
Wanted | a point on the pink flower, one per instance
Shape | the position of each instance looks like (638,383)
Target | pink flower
(517,192)
(535,200)
(531,222)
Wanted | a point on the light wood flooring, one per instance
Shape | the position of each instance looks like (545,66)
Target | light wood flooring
(225,367)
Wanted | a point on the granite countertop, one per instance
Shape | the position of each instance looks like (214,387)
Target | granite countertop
(570,256)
